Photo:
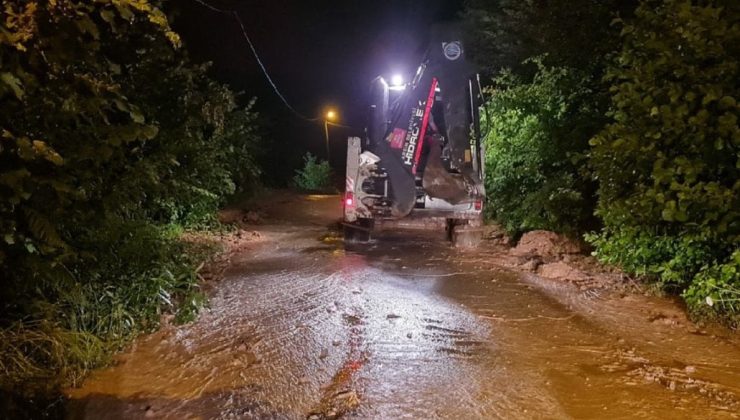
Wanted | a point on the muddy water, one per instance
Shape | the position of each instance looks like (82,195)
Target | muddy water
(408,327)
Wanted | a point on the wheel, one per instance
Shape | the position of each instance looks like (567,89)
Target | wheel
(359,231)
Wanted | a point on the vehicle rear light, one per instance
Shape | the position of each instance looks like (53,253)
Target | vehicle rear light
(478,205)
(349,199)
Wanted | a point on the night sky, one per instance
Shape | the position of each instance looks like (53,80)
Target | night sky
(319,53)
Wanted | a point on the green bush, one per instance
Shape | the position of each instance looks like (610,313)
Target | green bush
(108,137)
(668,167)
(315,175)
(538,137)
(718,286)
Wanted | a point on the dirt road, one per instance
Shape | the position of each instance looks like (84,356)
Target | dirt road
(409,327)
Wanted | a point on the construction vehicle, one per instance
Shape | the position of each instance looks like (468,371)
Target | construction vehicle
(421,156)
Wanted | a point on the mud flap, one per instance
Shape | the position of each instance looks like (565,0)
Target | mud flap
(463,233)
(360,231)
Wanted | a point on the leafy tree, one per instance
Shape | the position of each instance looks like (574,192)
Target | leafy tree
(546,103)
(63,113)
(535,147)
(668,166)
(107,134)
(206,145)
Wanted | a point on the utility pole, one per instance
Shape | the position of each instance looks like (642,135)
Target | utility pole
(326,136)
(331,115)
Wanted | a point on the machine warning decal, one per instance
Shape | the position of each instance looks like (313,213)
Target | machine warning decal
(397,137)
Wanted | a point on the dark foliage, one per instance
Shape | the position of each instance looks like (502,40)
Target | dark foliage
(536,148)
(669,165)
(108,137)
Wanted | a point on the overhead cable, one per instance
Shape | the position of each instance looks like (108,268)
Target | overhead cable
(236,16)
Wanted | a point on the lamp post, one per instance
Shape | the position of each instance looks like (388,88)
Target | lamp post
(331,115)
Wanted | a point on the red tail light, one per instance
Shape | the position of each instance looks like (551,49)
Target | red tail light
(349,199)
(478,205)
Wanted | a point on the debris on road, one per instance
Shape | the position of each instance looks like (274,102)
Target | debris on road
(546,244)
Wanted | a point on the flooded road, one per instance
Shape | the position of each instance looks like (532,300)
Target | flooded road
(409,327)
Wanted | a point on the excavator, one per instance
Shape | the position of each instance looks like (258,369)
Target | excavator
(421,156)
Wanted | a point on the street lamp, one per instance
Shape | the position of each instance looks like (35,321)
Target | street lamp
(331,115)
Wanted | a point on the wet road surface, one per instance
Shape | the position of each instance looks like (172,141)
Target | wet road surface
(409,327)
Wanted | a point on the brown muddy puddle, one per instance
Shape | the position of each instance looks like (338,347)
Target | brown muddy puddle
(404,328)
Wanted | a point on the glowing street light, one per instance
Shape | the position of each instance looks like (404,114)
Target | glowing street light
(331,115)
(396,80)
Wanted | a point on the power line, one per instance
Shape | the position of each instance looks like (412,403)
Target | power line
(235,14)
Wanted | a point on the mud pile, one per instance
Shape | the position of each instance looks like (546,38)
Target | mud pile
(544,243)
(239,217)
(558,257)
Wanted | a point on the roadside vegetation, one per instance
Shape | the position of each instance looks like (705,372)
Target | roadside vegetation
(316,175)
(111,144)
(619,121)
